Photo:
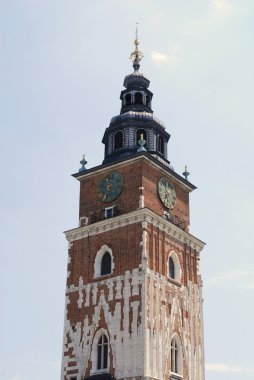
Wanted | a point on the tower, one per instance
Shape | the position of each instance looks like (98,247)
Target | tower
(133,294)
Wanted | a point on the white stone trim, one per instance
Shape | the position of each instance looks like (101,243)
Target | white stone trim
(140,215)
(141,198)
(135,354)
(85,218)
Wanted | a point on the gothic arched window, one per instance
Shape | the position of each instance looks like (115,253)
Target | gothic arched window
(102,353)
(138,135)
(128,100)
(174,267)
(171,268)
(160,144)
(176,356)
(138,98)
(118,141)
(106,264)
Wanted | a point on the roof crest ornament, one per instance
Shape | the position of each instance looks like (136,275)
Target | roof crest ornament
(136,55)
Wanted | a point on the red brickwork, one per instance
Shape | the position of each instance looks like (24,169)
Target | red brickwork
(137,302)
(160,245)
(125,244)
(140,173)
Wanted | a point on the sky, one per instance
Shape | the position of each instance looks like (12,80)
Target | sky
(61,73)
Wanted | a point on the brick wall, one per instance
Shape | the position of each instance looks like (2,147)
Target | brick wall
(137,175)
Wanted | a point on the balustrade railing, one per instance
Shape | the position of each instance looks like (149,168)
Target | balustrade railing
(108,212)
(175,220)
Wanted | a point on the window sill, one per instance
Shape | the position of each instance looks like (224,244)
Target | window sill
(174,282)
(175,376)
(103,276)
(99,371)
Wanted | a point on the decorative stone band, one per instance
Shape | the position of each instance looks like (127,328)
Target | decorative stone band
(144,216)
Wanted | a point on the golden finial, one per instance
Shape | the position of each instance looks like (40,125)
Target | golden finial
(136,55)
(136,42)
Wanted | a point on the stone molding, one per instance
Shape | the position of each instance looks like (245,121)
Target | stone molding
(140,215)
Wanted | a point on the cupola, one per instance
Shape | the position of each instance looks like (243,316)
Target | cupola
(136,121)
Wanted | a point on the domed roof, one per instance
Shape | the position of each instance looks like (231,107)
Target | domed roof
(136,79)
(143,116)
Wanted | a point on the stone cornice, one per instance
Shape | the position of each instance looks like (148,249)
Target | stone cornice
(138,156)
(140,215)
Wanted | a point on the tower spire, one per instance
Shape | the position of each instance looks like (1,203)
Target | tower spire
(136,55)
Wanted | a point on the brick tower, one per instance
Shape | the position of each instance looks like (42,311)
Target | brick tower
(133,295)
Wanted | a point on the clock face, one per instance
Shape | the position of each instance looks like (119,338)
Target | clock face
(110,187)
(167,193)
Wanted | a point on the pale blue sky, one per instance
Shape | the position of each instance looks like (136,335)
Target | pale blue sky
(61,72)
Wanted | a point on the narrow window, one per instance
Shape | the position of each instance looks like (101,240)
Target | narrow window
(139,133)
(109,212)
(174,356)
(171,268)
(147,101)
(128,100)
(160,144)
(138,98)
(118,140)
(106,264)
(102,357)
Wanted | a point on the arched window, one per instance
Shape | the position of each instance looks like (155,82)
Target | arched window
(138,135)
(128,100)
(102,353)
(138,98)
(104,261)
(160,144)
(106,264)
(171,268)
(118,143)
(174,267)
(176,356)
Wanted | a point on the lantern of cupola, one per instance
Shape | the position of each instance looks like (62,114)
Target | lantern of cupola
(136,97)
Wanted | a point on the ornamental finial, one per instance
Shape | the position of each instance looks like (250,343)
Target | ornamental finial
(83,163)
(186,173)
(141,143)
(136,55)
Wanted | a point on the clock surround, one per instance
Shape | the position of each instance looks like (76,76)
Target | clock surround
(166,193)
(110,187)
